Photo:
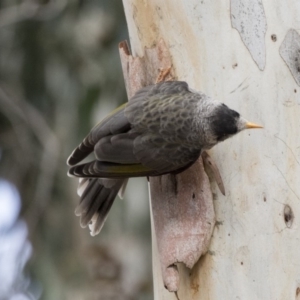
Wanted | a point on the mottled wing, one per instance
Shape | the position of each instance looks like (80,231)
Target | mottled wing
(162,88)
(163,126)
(155,154)
(114,123)
(116,148)
(145,137)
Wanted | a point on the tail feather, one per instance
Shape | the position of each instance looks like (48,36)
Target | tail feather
(100,217)
(96,201)
(87,200)
(86,196)
(83,183)
(100,197)
(123,188)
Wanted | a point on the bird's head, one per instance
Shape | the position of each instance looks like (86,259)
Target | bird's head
(225,122)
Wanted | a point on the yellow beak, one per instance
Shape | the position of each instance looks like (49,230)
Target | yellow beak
(250,125)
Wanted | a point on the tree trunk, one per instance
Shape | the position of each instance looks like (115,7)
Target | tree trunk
(245,54)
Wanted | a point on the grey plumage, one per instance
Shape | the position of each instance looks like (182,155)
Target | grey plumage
(162,129)
(96,201)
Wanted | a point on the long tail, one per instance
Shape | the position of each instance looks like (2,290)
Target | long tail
(96,198)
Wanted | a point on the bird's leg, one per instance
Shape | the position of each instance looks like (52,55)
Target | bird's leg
(210,164)
(163,74)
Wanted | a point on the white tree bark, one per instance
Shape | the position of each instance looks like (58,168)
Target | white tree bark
(244,54)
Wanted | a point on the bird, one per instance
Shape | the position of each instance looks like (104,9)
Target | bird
(162,129)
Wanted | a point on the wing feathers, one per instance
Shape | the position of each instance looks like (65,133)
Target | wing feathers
(117,149)
(111,170)
(82,151)
(114,123)
(162,88)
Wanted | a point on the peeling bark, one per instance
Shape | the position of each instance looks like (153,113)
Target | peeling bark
(249,19)
(182,204)
(184,219)
(290,53)
(142,71)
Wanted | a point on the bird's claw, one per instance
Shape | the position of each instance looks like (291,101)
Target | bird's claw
(210,164)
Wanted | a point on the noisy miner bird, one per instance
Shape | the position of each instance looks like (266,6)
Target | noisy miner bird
(162,129)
